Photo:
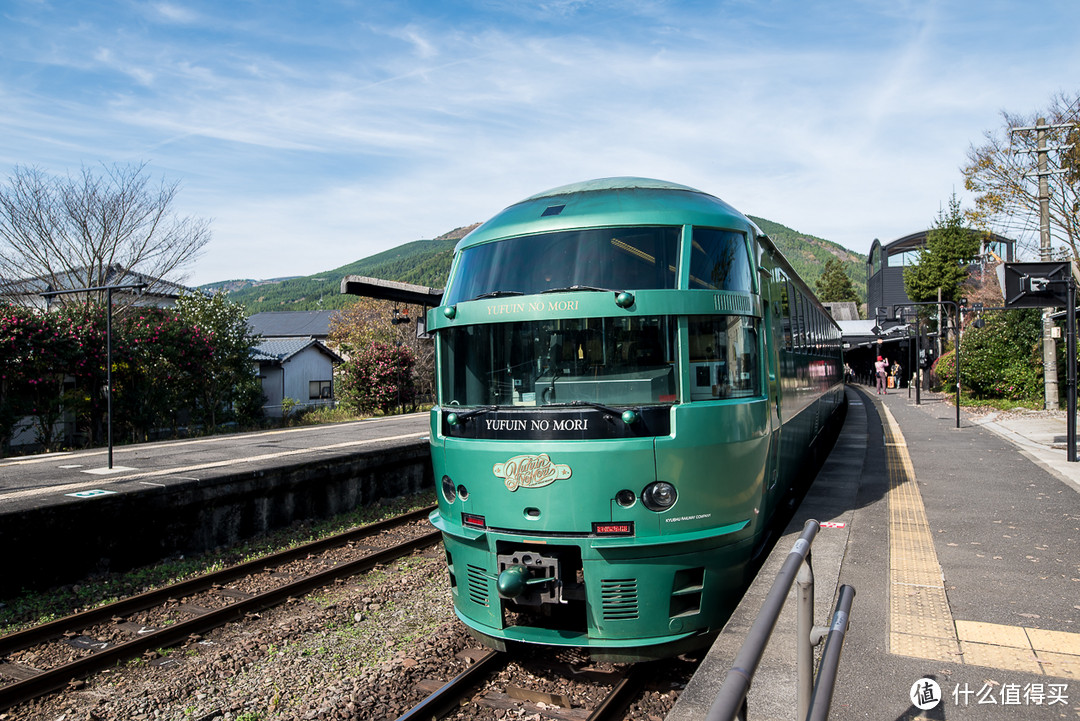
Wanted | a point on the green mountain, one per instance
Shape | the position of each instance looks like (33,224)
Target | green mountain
(421,262)
(427,263)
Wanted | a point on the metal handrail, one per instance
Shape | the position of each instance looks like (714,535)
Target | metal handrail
(814,699)
(830,657)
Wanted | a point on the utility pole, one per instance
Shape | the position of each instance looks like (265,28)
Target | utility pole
(1050,384)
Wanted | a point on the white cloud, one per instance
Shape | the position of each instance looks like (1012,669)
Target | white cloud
(173,13)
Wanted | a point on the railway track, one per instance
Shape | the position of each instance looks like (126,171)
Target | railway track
(478,686)
(125,629)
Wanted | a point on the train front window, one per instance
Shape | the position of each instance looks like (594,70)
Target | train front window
(611,258)
(614,361)
(724,357)
(719,261)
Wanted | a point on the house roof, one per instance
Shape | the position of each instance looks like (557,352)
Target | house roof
(82,277)
(291,324)
(280,350)
(917,239)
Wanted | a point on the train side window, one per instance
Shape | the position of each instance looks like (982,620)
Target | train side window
(719,261)
(785,312)
(724,357)
(797,318)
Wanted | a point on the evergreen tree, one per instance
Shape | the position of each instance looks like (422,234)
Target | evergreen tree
(943,261)
(834,286)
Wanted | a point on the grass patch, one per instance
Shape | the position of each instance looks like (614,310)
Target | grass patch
(341,414)
(32,608)
(1000,404)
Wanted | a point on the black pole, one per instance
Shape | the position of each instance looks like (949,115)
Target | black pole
(907,351)
(108,343)
(1070,344)
(956,356)
(108,367)
(918,360)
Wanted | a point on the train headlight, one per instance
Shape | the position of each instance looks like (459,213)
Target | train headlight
(625,498)
(659,496)
(448,490)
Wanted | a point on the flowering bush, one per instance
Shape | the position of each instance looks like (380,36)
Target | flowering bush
(166,367)
(34,353)
(378,376)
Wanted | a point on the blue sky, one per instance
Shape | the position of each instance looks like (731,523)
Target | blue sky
(317,133)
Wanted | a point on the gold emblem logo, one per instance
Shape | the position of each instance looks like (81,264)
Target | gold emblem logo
(530,471)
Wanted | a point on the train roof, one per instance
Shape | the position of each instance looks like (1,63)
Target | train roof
(610,202)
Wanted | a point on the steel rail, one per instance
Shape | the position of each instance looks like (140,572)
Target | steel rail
(618,698)
(446,697)
(55,629)
(58,677)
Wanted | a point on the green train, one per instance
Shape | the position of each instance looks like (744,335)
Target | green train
(630,378)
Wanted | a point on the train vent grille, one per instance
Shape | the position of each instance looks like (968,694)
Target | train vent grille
(478,585)
(733,302)
(619,598)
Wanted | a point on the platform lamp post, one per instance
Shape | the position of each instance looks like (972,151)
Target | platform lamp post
(108,342)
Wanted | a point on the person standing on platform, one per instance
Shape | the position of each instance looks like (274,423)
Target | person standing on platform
(881,367)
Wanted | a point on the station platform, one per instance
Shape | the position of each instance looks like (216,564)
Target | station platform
(28,482)
(65,515)
(963,545)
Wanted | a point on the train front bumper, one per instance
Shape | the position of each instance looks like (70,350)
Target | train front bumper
(635,592)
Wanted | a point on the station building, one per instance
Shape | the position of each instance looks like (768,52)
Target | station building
(883,333)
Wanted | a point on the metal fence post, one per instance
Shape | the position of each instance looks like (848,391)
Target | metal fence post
(803,628)
(830,657)
(732,694)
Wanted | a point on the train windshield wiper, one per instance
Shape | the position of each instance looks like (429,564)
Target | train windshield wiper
(478,411)
(498,294)
(588,404)
(578,288)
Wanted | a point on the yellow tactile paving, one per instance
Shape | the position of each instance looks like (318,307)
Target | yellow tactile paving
(920,620)
(1059,664)
(906,644)
(1003,657)
(934,628)
(1055,641)
(992,633)
(920,604)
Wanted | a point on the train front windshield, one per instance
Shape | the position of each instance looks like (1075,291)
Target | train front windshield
(611,258)
(614,361)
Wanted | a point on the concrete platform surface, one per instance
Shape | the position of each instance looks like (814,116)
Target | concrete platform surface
(56,478)
(963,546)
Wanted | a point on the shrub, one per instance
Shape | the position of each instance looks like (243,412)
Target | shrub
(378,376)
(1003,359)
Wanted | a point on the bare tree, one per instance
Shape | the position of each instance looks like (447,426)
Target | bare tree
(1003,173)
(103,226)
